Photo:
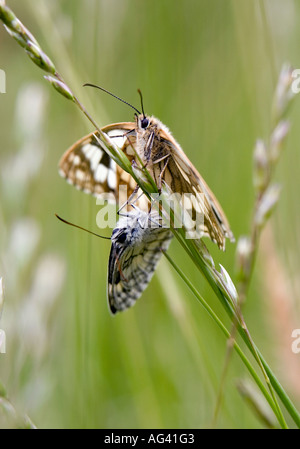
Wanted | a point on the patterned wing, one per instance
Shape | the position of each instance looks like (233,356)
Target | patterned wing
(90,169)
(181,176)
(136,249)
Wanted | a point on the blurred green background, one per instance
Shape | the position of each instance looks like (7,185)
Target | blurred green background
(207,69)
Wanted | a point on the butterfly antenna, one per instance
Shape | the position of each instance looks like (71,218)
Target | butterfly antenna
(113,95)
(79,227)
(142,104)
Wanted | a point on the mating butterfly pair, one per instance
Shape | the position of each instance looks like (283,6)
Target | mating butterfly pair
(136,246)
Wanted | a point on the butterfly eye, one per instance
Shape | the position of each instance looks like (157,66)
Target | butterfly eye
(144,122)
(122,237)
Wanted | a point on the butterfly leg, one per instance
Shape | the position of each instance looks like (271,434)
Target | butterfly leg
(148,148)
(130,200)
(166,158)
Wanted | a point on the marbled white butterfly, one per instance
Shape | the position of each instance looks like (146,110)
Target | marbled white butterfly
(137,244)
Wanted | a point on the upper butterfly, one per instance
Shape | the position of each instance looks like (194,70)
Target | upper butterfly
(90,169)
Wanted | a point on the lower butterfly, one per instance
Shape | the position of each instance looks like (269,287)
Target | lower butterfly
(137,244)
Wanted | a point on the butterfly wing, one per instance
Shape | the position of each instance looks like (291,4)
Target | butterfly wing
(181,176)
(89,168)
(134,255)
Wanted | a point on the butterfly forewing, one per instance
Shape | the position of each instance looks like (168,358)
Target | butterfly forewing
(214,223)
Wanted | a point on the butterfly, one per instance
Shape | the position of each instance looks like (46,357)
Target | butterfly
(137,244)
(149,141)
